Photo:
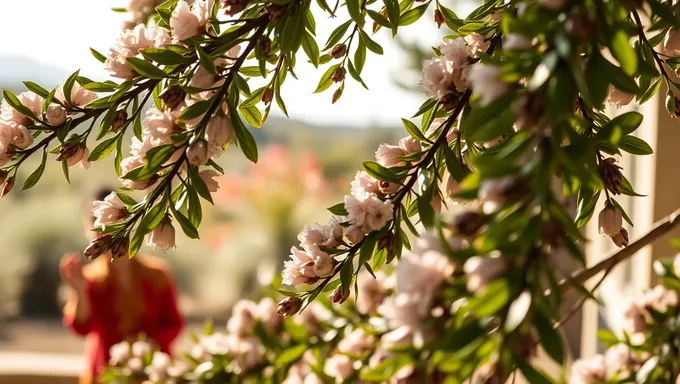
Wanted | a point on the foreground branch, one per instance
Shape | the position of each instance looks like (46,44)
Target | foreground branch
(659,229)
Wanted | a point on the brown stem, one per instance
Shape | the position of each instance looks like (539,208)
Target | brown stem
(659,229)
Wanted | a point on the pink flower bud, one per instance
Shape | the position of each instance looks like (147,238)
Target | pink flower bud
(173,97)
(197,154)
(80,157)
(410,144)
(337,297)
(671,43)
(289,306)
(621,239)
(9,184)
(55,114)
(163,236)
(610,221)
(618,98)
(98,247)
(388,155)
(208,177)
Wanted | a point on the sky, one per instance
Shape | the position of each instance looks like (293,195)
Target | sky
(60,33)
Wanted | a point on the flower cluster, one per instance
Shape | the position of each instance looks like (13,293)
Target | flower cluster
(130,43)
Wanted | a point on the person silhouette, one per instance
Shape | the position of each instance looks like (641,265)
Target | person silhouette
(116,300)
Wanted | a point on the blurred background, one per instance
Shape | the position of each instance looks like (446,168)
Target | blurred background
(258,210)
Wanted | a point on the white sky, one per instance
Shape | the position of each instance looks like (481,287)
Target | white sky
(59,34)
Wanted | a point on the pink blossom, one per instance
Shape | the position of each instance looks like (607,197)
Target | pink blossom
(388,155)
(356,343)
(312,317)
(159,366)
(438,78)
(202,79)
(320,236)
(209,177)
(423,274)
(410,144)
(214,344)
(178,369)
(455,51)
(354,233)
(434,127)
(590,371)
(363,184)
(197,154)
(80,96)
(243,318)
(356,211)
(127,165)
(55,115)
(516,42)
(189,21)
(618,98)
(324,264)
(401,336)
(476,44)
(80,157)
(403,309)
(485,81)
(248,352)
(266,313)
(21,137)
(299,270)
(339,366)
(129,44)
(163,236)
(29,100)
(159,127)
(119,353)
(482,270)
(620,358)
(135,364)
(109,211)
(671,43)
(387,188)
(140,349)
(372,292)
(219,132)
(378,213)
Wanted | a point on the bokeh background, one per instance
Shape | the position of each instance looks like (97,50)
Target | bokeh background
(307,162)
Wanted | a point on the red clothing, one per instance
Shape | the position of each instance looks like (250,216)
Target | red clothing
(156,315)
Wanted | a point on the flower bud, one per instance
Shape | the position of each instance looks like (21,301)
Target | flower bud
(265,46)
(387,188)
(55,114)
(289,306)
(610,221)
(621,239)
(119,248)
(163,236)
(80,156)
(449,101)
(387,243)
(580,26)
(338,75)
(68,150)
(438,18)
(197,154)
(98,247)
(9,184)
(336,296)
(338,51)
(267,96)
(468,223)
(671,43)
(673,103)
(3,176)
(232,7)
(118,120)
(173,97)
(528,110)
(611,176)
(274,11)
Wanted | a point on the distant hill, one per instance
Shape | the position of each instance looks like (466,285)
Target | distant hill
(15,69)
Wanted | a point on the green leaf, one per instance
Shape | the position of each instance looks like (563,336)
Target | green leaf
(532,375)
(587,200)
(370,44)
(413,130)
(517,312)
(355,75)
(651,91)
(491,300)
(338,209)
(165,56)
(279,99)
(199,185)
(245,139)
(101,58)
(187,227)
(411,16)
(252,115)
(206,61)
(325,82)
(337,34)
(393,14)
(290,355)
(367,248)
(354,9)
(379,172)
(252,71)
(195,110)
(146,69)
(621,80)
(623,51)
(311,49)
(38,90)
(68,86)
(550,339)
(103,149)
(14,102)
(194,207)
(34,177)
(346,274)
(292,33)
(635,145)
(384,371)
(153,217)
(379,19)
(360,57)
(598,85)
(64,168)
(154,158)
